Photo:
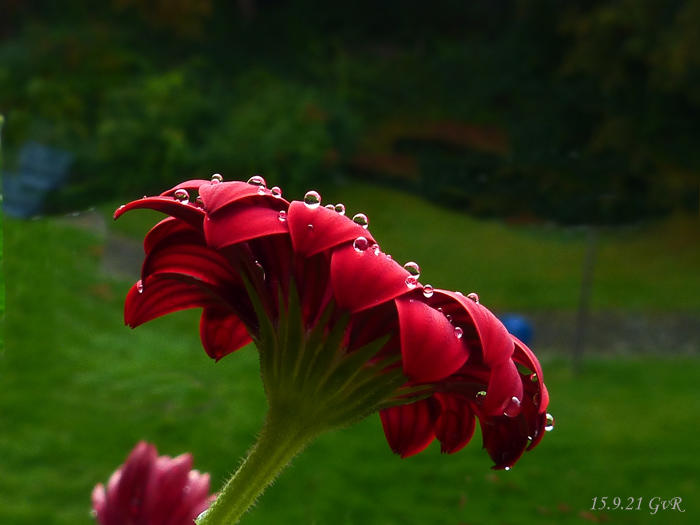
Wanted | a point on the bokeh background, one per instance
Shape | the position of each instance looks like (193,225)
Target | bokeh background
(543,154)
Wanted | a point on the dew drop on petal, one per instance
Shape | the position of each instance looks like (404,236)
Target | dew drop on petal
(361,219)
(330,207)
(448,317)
(412,268)
(276,192)
(474,297)
(411,281)
(428,291)
(310,227)
(506,468)
(512,408)
(458,332)
(480,395)
(199,202)
(360,244)
(388,256)
(312,199)
(534,378)
(122,206)
(340,208)
(257,180)
(375,249)
(549,422)
(182,195)
(282,216)
(139,286)
(216,178)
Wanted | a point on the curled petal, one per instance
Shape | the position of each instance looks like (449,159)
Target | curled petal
(193,261)
(189,185)
(171,231)
(328,229)
(409,428)
(161,295)
(242,222)
(456,423)
(191,214)
(505,439)
(218,196)
(505,384)
(361,279)
(429,346)
(524,356)
(496,343)
(222,332)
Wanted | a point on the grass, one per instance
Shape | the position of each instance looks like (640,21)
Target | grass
(78,389)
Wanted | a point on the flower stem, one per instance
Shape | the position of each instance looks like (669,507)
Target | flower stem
(282,437)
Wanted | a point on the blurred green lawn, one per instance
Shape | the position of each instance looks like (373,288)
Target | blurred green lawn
(78,389)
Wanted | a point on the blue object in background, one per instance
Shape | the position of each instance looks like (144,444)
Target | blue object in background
(41,169)
(519,326)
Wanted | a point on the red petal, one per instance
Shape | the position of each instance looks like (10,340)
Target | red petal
(134,476)
(409,428)
(496,343)
(505,439)
(240,223)
(505,384)
(524,356)
(189,213)
(172,230)
(193,261)
(222,332)
(329,229)
(219,195)
(163,295)
(456,423)
(429,346)
(189,185)
(165,487)
(362,279)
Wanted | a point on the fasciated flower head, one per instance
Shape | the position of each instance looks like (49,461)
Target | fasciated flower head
(152,490)
(342,329)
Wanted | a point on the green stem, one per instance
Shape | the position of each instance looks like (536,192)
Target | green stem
(282,437)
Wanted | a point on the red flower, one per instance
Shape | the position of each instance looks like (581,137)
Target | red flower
(152,490)
(371,337)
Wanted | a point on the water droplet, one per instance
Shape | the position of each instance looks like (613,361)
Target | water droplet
(412,268)
(257,180)
(534,378)
(199,202)
(122,206)
(480,395)
(361,219)
(310,227)
(201,515)
(388,256)
(375,249)
(312,199)
(360,244)
(260,268)
(448,317)
(549,423)
(276,192)
(139,286)
(474,297)
(428,291)
(216,178)
(340,208)
(261,190)
(411,281)
(282,216)
(182,195)
(330,207)
(512,408)
(506,469)
(458,332)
